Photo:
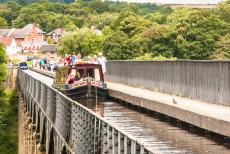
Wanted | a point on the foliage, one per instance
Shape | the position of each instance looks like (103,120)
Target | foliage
(84,41)
(49,40)
(139,29)
(2,64)
(198,34)
(8,123)
(157,17)
(149,56)
(222,48)
(119,46)
(8,108)
(100,20)
(224,9)
(3,22)
(159,41)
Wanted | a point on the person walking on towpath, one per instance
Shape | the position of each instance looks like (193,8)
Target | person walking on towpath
(42,63)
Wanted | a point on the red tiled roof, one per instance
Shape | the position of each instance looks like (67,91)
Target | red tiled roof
(20,32)
(6,40)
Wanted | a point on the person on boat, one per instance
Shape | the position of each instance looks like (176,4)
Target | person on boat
(78,76)
(95,59)
(78,59)
(73,58)
(90,59)
(67,60)
(101,60)
(71,78)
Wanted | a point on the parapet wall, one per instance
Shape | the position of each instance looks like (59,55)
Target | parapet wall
(201,80)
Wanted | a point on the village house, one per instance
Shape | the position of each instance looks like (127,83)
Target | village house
(28,39)
(56,34)
(49,51)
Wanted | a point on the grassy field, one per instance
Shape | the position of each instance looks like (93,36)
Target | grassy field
(8,123)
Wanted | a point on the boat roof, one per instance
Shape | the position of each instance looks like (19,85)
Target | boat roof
(89,65)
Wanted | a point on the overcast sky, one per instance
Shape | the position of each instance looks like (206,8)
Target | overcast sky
(174,1)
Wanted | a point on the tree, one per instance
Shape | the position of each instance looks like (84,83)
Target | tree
(82,41)
(49,40)
(99,6)
(58,20)
(3,22)
(91,43)
(118,46)
(70,43)
(157,17)
(158,41)
(100,21)
(2,68)
(130,23)
(198,33)
(222,48)
(224,9)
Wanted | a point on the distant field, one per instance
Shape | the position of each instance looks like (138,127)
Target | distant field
(202,6)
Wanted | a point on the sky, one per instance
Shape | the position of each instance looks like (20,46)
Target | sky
(174,1)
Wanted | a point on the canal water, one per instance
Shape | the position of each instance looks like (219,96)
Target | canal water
(159,132)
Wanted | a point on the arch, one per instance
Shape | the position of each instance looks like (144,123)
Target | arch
(34,114)
(51,143)
(43,137)
(64,151)
(38,122)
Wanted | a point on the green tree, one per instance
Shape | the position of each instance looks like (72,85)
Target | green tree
(82,41)
(158,40)
(130,23)
(157,17)
(222,48)
(224,9)
(99,6)
(118,46)
(70,43)
(91,43)
(2,70)
(3,22)
(198,33)
(100,20)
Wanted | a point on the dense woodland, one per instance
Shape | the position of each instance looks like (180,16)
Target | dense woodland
(8,112)
(129,31)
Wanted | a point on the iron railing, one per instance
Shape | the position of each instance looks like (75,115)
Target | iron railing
(66,125)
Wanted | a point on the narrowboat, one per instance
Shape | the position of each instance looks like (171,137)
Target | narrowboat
(80,81)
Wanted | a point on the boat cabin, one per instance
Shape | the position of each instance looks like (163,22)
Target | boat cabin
(80,78)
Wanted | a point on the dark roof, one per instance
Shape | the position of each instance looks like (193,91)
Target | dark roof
(58,31)
(48,48)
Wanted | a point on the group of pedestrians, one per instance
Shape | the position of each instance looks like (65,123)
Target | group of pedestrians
(70,59)
(46,64)
(76,59)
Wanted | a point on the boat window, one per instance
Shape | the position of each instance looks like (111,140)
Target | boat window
(81,72)
(90,72)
